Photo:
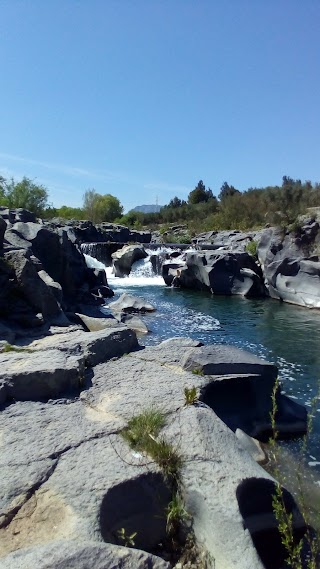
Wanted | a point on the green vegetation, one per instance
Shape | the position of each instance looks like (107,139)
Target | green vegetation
(141,430)
(25,194)
(7,348)
(197,371)
(100,208)
(201,212)
(294,549)
(251,248)
(126,540)
(176,514)
(190,395)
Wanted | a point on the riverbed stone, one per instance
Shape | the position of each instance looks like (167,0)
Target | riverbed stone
(130,303)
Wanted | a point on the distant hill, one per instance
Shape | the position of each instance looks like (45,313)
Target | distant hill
(148,208)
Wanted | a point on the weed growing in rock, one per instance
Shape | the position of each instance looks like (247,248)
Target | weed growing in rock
(190,395)
(126,539)
(197,371)
(296,558)
(9,348)
(168,458)
(176,514)
(142,429)
(251,248)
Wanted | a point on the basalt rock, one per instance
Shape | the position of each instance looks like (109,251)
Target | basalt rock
(129,303)
(291,264)
(219,273)
(124,258)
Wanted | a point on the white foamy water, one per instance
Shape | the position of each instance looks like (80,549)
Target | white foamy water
(141,274)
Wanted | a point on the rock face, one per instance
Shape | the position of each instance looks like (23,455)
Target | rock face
(43,274)
(220,273)
(124,258)
(71,488)
(291,264)
(87,232)
(240,392)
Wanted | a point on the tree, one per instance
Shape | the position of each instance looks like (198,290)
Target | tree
(227,191)
(98,207)
(200,194)
(25,193)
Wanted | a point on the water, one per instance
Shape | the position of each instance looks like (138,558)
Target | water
(286,335)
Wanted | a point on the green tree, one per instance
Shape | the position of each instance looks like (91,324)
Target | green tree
(200,194)
(98,207)
(227,191)
(25,194)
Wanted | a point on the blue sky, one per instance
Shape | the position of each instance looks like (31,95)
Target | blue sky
(143,98)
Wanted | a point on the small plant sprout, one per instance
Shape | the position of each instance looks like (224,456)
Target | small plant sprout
(125,538)
(190,395)
(176,514)
(197,371)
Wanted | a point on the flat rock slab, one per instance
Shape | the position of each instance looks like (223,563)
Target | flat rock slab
(221,360)
(26,376)
(95,347)
(87,555)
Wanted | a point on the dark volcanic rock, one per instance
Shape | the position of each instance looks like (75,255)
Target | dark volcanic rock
(219,273)
(124,258)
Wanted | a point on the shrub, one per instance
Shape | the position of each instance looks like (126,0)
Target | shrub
(252,247)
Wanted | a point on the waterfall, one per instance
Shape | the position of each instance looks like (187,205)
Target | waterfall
(144,272)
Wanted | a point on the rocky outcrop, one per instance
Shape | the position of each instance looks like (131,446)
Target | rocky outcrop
(56,364)
(219,273)
(124,258)
(291,264)
(70,485)
(87,232)
(43,274)
(233,241)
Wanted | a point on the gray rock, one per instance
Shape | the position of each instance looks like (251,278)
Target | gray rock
(53,286)
(93,324)
(67,477)
(240,391)
(40,375)
(124,258)
(85,555)
(129,303)
(290,267)
(133,322)
(218,272)
(252,446)
(31,286)
(94,347)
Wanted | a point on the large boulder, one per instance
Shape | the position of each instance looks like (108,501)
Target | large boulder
(291,269)
(240,391)
(219,273)
(124,258)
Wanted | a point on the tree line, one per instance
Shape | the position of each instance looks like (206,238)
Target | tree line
(201,211)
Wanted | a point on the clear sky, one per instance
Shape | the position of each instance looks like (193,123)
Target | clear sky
(143,98)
